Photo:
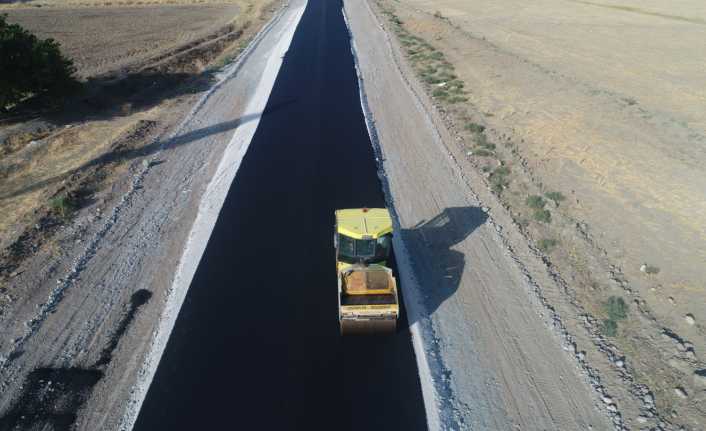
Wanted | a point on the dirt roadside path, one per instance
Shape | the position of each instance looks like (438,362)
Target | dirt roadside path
(79,343)
(496,355)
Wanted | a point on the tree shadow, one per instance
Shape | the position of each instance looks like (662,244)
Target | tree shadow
(110,96)
(437,267)
(50,398)
(125,152)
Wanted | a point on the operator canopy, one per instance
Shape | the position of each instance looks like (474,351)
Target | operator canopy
(364,223)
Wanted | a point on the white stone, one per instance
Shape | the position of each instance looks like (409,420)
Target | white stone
(680,392)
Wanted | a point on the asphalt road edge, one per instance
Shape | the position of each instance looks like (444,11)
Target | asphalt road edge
(213,199)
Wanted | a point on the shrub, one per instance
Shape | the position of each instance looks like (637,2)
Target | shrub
(555,196)
(31,66)
(483,153)
(535,202)
(610,328)
(616,308)
(547,244)
(63,205)
(543,216)
(430,79)
(445,74)
(498,179)
(440,92)
(482,142)
(457,99)
(475,128)
(438,14)
(652,270)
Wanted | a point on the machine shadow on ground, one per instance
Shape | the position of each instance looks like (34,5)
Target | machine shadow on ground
(437,267)
(52,397)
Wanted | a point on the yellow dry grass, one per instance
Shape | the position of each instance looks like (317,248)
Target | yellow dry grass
(43,166)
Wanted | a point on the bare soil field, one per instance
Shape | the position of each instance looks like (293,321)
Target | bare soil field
(105,39)
(588,119)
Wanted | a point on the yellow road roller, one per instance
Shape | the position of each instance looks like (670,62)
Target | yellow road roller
(367,290)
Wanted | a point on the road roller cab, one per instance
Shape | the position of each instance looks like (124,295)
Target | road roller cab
(367,290)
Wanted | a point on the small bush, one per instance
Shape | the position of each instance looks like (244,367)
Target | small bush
(652,270)
(616,308)
(446,75)
(440,93)
(487,145)
(482,141)
(456,90)
(62,205)
(555,196)
(498,179)
(31,66)
(541,215)
(475,128)
(535,202)
(610,328)
(482,153)
(457,99)
(438,14)
(547,244)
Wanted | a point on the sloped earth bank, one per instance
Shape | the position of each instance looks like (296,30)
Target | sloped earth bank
(492,352)
(91,314)
(652,364)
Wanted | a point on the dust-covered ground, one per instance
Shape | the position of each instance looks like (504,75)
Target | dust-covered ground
(587,120)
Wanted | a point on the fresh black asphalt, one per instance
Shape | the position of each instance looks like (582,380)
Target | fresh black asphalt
(256,344)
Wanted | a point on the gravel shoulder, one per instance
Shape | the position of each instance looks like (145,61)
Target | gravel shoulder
(496,355)
(85,314)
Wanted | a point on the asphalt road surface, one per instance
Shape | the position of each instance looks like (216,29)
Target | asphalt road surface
(256,343)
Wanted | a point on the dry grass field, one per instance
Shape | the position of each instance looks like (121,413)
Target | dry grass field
(605,103)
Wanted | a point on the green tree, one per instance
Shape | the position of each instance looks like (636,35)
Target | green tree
(31,66)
